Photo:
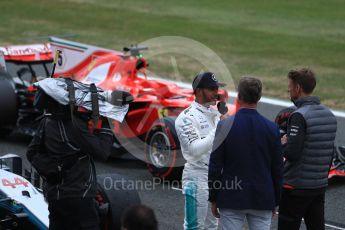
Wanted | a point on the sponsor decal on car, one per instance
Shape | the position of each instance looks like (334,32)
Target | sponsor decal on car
(25,50)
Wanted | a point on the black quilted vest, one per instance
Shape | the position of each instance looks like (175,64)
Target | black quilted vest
(311,171)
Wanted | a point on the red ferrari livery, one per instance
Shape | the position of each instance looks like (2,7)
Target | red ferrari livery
(148,131)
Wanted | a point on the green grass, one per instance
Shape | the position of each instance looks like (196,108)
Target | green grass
(260,38)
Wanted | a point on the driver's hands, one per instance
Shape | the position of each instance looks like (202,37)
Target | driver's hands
(274,212)
(284,139)
(222,117)
(214,210)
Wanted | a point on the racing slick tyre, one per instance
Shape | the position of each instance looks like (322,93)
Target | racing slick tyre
(338,165)
(115,193)
(162,150)
(8,105)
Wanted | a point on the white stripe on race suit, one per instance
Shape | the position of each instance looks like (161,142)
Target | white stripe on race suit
(177,189)
(266,100)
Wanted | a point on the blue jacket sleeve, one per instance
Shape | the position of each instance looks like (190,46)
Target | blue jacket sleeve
(277,167)
(216,163)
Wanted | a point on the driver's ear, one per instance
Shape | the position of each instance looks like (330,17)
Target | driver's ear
(239,97)
(197,91)
(298,88)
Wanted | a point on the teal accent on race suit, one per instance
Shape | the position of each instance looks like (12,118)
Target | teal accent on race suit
(191,222)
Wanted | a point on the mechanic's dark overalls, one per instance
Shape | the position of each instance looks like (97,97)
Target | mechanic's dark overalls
(71,200)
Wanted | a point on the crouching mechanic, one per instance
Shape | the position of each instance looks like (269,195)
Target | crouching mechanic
(196,128)
(69,139)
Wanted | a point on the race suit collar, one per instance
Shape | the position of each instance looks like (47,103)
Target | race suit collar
(203,108)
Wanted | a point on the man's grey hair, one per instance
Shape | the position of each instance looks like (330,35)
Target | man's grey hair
(249,90)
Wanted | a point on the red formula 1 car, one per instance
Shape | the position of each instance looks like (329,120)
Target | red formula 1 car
(20,66)
(148,131)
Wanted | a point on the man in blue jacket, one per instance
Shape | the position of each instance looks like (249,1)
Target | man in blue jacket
(245,169)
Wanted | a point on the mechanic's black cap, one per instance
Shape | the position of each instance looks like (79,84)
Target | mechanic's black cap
(206,80)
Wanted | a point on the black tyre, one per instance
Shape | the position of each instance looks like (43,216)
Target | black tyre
(4,132)
(115,193)
(8,105)
(163,152)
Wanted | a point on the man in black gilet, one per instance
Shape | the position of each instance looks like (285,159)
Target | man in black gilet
(308,154)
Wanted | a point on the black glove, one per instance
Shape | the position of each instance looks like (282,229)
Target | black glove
(222,108)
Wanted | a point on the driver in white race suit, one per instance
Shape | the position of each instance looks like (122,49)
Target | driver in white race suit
(196,128)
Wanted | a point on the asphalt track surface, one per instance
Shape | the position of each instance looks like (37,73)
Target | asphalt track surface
(166,199)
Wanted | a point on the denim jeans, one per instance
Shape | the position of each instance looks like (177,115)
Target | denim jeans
(234,219)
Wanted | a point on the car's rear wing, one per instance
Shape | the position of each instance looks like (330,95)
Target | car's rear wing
(26,53)
(75,55)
